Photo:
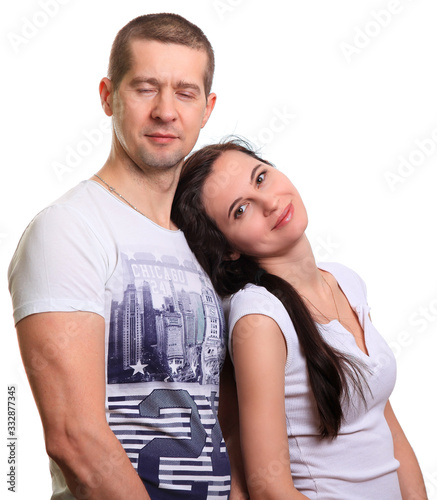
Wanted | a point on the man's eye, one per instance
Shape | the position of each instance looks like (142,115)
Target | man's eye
(186,95)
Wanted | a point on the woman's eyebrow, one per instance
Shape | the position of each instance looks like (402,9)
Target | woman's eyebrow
(233,205)
(252,177)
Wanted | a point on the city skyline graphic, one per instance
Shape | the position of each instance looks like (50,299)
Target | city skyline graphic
(167,325)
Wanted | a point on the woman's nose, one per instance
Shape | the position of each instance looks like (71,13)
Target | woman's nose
(270,203)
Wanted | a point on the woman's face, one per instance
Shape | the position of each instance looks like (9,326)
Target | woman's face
(255,206)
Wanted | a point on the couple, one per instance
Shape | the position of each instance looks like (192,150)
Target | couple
(123,335)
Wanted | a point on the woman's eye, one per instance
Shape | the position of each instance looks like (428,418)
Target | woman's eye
(260,178)
(240,211)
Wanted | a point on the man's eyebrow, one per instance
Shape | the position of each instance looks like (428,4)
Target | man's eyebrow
(188,85)
(252,177)
(139,80)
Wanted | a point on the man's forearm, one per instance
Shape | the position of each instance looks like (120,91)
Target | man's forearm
(97,467)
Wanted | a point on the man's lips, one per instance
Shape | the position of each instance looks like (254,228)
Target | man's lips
(285,216)
(161,138)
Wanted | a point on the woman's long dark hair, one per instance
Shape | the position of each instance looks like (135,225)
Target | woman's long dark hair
(328,369)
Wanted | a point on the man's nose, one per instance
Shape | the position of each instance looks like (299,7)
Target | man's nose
(164,108)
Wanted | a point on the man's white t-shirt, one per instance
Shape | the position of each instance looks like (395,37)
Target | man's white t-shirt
(164,339)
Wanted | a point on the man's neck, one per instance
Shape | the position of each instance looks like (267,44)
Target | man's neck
(150,193)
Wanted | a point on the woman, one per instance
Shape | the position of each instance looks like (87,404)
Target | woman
(296,328)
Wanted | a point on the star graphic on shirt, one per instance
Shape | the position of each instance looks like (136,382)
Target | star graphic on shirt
(130,255)
(138,368)
(174,366)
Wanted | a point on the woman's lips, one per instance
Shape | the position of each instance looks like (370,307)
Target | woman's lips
(285,216)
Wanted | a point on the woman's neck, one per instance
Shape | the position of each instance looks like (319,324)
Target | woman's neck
(298,267)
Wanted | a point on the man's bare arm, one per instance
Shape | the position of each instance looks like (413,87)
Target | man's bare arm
(64,357)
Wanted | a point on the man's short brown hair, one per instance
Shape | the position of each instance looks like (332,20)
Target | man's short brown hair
(164,28)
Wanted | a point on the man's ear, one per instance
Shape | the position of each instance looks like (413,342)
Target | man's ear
(105,90)
(210,103)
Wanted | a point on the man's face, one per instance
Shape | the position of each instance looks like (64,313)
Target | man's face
(160,105)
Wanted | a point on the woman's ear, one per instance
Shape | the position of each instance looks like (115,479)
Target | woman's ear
(233,255)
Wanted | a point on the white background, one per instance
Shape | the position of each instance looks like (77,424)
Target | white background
(356,86)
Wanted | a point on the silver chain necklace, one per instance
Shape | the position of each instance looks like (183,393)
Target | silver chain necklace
(113,190)
(333,298)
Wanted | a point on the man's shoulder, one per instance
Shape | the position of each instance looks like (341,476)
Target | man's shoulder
(79,196)
(78,203)
(61,260)
(76,211)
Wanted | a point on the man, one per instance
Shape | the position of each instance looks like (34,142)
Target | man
(120,331)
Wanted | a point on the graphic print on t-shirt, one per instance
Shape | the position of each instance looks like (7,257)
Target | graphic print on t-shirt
(167,325)
(165,351)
